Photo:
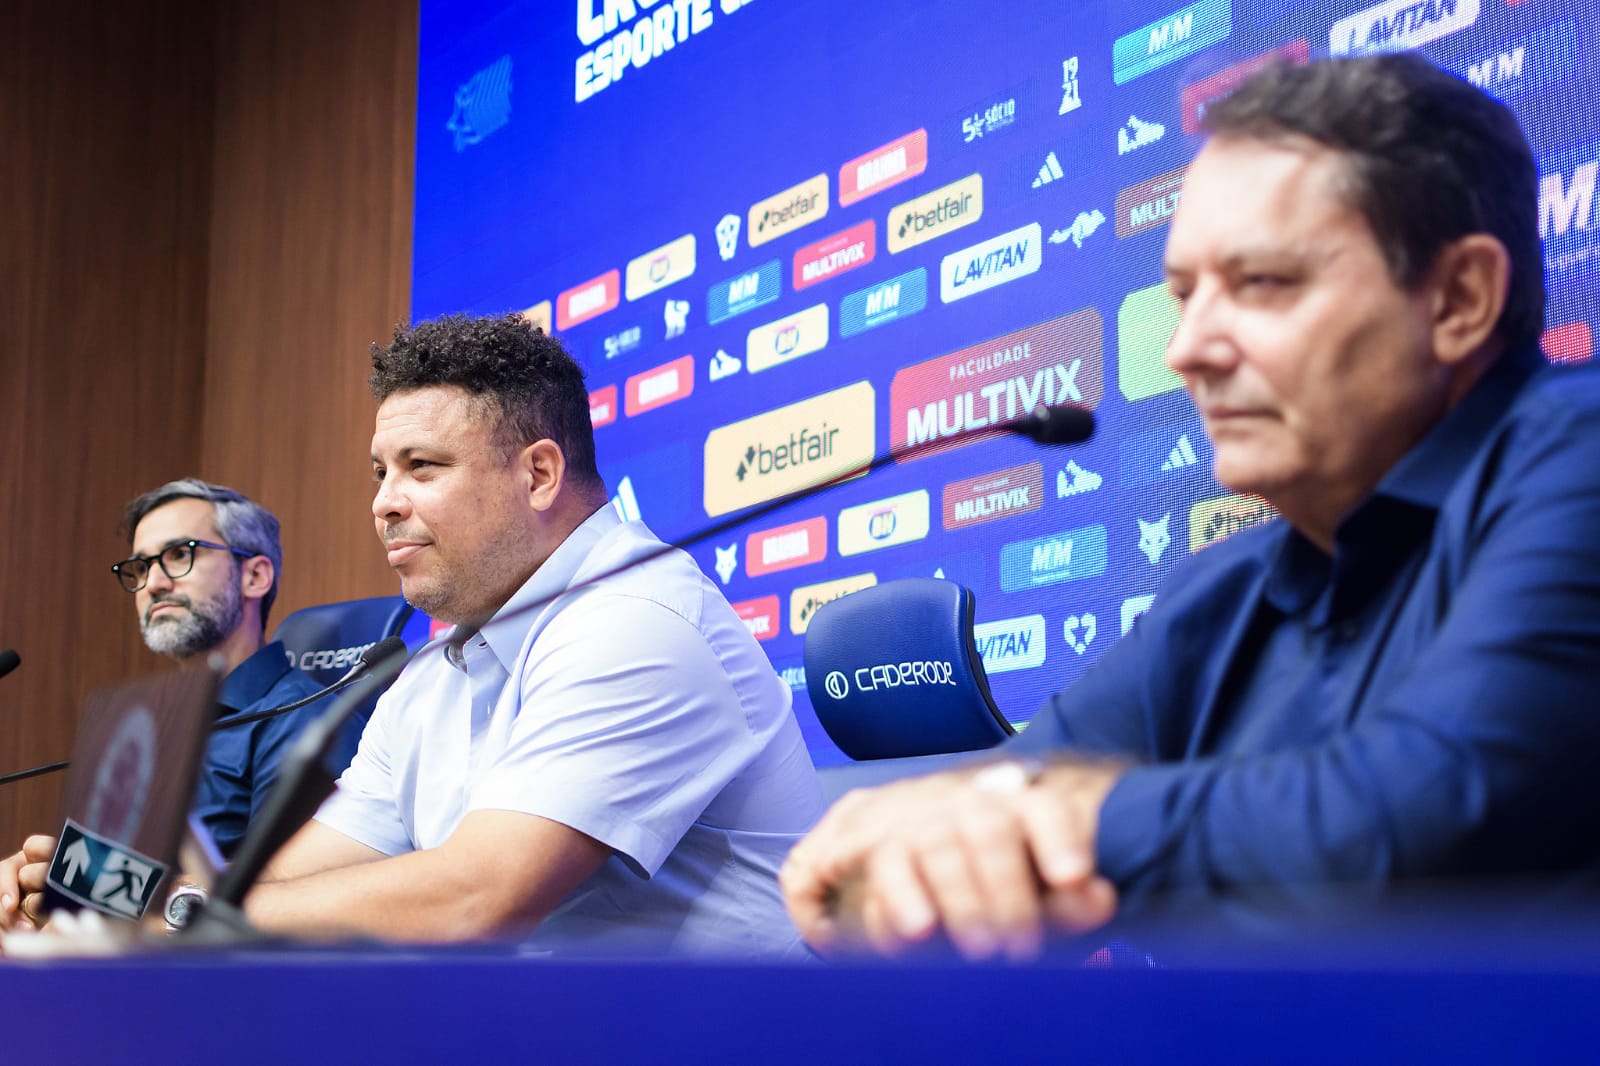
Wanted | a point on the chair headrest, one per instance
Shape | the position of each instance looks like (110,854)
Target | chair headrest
(325,641)
(893,671)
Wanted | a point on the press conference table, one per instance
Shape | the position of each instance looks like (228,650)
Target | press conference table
(1493,1001)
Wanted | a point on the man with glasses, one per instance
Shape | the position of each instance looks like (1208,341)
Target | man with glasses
(203,575)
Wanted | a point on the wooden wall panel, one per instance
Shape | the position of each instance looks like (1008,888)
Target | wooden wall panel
(310,263)
(103,207)
(206,217)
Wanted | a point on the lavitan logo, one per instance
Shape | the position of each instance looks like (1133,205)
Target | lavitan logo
(1149,204)
(583,302)
(661,386)
(785,547)
(788,448)
(785,212)
(834,255)
(900,160)
(998,494)
(1399,25)
(993,262)
(960,394)
(760,616)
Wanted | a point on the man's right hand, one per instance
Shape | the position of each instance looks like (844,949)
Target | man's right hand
(22,877)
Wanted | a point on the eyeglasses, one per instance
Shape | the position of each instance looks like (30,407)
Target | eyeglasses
(175,560)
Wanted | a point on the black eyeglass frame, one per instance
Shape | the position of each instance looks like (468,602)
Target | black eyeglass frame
(158,560)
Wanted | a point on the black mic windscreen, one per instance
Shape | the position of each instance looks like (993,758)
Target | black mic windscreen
(1061,424)
(9,661)
(384,650)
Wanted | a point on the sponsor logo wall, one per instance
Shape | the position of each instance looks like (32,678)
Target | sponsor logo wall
(783,246)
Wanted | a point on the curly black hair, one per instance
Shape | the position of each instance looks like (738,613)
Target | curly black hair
(534,388)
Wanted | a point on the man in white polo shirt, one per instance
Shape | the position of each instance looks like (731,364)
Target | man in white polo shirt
(598,757)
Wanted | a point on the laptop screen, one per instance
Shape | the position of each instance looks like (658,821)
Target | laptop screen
(129,790)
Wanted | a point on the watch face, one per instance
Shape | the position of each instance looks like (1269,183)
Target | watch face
(181,905)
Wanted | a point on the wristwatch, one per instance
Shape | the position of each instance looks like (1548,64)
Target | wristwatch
(181,905)
(1009,776)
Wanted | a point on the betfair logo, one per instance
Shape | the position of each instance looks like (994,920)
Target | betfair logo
(936,213)
(804,602)
(788,210)
(790,448)
(1222,516)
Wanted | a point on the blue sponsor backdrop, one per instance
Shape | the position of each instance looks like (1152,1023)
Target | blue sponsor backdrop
(524,190)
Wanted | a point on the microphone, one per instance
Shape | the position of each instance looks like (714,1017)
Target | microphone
(379,653)
(1061,424)
(303,783)
(9,661)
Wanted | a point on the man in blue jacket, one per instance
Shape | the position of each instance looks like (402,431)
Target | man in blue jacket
(203,576)
(1394,682)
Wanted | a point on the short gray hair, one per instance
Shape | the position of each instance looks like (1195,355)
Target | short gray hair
(243,523)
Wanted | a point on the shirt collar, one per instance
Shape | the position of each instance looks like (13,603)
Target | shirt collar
(1425,474)
(508,628)
(1298,574)
(253,678)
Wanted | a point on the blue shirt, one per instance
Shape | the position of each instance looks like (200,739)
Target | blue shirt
(241,765)
(1424,703)
(636,709)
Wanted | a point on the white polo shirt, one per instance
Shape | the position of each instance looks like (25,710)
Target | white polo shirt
(644,715)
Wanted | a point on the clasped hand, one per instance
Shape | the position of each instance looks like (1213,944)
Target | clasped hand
(887,868)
